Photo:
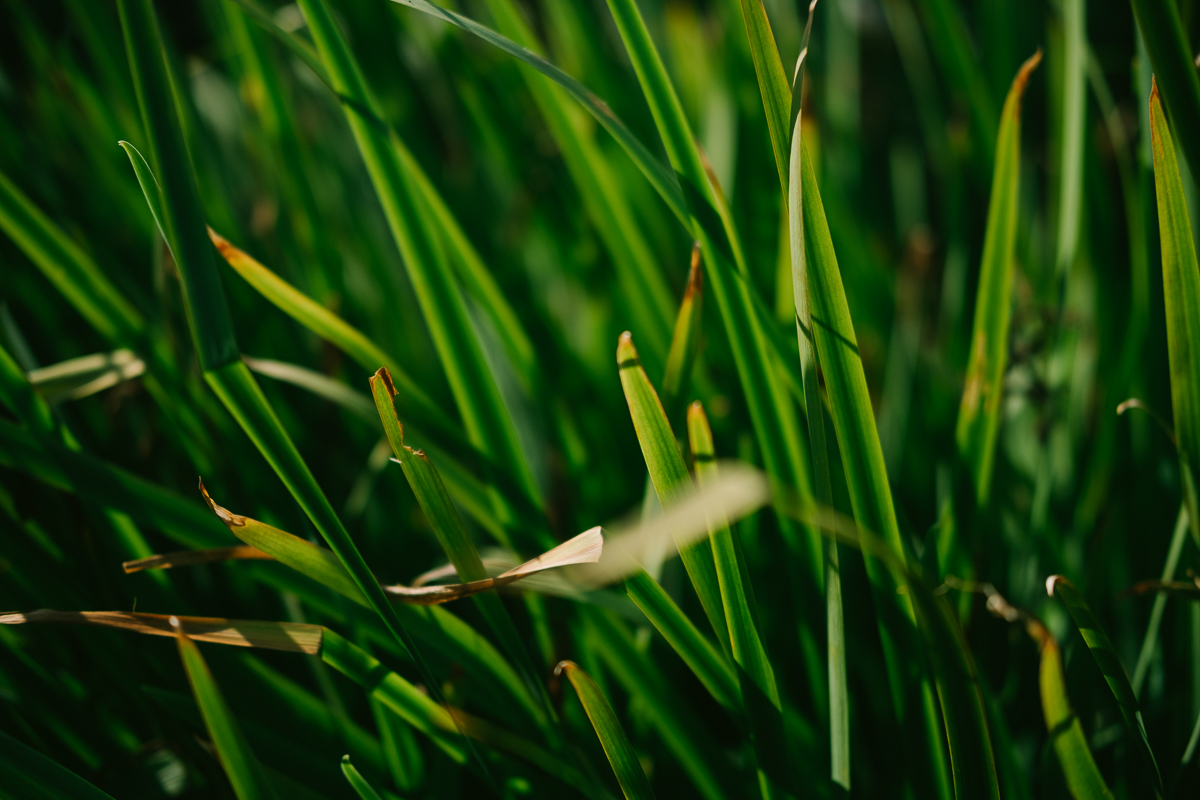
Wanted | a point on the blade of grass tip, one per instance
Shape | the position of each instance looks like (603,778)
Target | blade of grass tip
(485,417)
(209,316)
(289,637)
(755,674)
(67,266)
(443,517)
(1062,725)
(1150,642)
(839,706)
(612,736)
(1181,288)
(1171,57)
(240,765)
(668,474)
(685,340)
(26,773)
(979,414)
(1107,659)
(357,781)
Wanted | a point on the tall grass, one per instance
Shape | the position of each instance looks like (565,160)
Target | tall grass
(362,266)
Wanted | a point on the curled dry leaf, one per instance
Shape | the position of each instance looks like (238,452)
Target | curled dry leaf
(292,637)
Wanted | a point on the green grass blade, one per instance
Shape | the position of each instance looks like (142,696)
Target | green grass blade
(443,517)
(979,414)
(668,712)
(772,83)
(243,769)
(318,383)
(487,421)
(701,656)
(1174,68)
(1070,194)
(1070,744)
(669,474)
(760,694)
(839,701)
(1181,288)
(300,48)
(66,265)
(357,781)
(1150,641)
(182,213)
(612,736)
(26,774)
(1107,659)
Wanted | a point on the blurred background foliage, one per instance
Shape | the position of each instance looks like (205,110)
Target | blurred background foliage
(903,105)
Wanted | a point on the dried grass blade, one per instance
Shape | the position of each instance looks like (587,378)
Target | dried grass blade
(187,558)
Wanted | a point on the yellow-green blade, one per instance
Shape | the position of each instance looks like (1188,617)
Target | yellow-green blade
(979,414)
(1181,288)
(244,772)
(612,736)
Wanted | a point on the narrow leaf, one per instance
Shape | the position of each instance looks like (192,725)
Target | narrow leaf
(187,558)
(244,771)
(1181,288)
(612,736)
(685,341)
(27,774)
(1174,66)
(979,413)
(357,781)
(1107,659)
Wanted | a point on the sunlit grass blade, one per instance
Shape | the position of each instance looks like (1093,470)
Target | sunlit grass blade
(72,271)
(612,736)
(979,414)
(485,417)
(668,712)
(1066,733)
(772,83)
(1181,288)
(242,768)
(835,633)
(287,636)
(1107,659)
(27,774)
(669,474)
(756,676)
(1175,69)
(357,781)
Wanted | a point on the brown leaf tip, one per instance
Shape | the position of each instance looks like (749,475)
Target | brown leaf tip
(384,375)
(1025,71)
(225,515)
(222,244)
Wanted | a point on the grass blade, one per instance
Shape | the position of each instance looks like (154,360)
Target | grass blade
(756,676)
(1070,744)
(80,377)
(1174,66)
(1107,659)
(357,781)
(25,773)
(772,83)
(612,736)
(979,414)
(318,383)
(187,558)
(669,475)
(244,771)
(1150,641)
(685,340)
(289,637)
(839,701)
(1181,287)
(182,215)
(485,418)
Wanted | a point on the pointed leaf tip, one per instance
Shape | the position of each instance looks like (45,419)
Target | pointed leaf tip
(627,354)
(226,516)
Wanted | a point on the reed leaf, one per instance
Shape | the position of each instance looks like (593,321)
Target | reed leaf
(979,413)
(612,736)
(244,772)
(1109,662)
(1181,288)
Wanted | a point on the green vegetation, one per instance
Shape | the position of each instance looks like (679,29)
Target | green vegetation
(479,318)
